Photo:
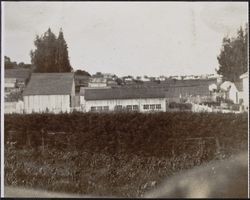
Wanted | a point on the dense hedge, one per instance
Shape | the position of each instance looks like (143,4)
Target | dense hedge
(137,133)
(114,154)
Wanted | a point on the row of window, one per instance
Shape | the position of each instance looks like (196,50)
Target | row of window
(127,107)
(152,106)
(99,108)
(132,107)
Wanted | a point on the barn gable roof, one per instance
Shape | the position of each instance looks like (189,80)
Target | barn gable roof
(122,93)
(49,84)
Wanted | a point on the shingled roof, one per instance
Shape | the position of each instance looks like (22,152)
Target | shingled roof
(49,84)
(19,74)
(122,93)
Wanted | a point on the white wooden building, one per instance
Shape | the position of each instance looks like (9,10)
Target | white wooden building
(232,91)
(49,92)
(122,99)
(245,83)
(17,76)
(14,82)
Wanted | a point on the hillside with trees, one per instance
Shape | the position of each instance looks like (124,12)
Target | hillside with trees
(9,64)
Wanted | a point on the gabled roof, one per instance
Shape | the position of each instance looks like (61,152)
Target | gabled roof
(49,84)
(19,74)
(245,75)
(226,85)
(122,93)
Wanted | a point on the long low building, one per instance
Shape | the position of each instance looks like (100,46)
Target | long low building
(122,99)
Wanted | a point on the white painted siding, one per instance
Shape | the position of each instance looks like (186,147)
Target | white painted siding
(13,107)
(50,103)
(86,105)
(9,82)
(246,91)
(73,91)
(234,94)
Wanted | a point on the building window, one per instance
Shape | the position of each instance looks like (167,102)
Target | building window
(105,108)
(152,106)
(92,108)
(158,106)
(145,107)
(118,107)
(135,107)
(99,108)
(129,107)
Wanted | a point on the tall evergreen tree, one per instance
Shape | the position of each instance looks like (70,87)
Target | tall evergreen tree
(62,58)
(233,56)
(51,53)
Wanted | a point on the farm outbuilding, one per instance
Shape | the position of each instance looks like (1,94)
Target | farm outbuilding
(14,82)
(122,99)
(20,76)
(232,91)
(49,92)
(245,84)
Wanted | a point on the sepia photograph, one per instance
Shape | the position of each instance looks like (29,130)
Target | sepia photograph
(129,99)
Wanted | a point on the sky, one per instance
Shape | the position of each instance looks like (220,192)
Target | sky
(127,38)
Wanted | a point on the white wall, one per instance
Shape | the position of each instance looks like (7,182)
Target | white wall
(97,84)
(86,105)
(73,90)
(245,91)
(234,94)
(13,107)
(9,82)
(52,103)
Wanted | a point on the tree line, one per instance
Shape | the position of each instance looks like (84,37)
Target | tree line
(9,64)
(51,55)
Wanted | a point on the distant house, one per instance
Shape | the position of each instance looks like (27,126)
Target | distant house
(49,92)
(14,82)
(145,79)
(97,82)
(112,83)
(122,99)
(20,75)
(10,85)
(161,78)
(109,76)
(245,84)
